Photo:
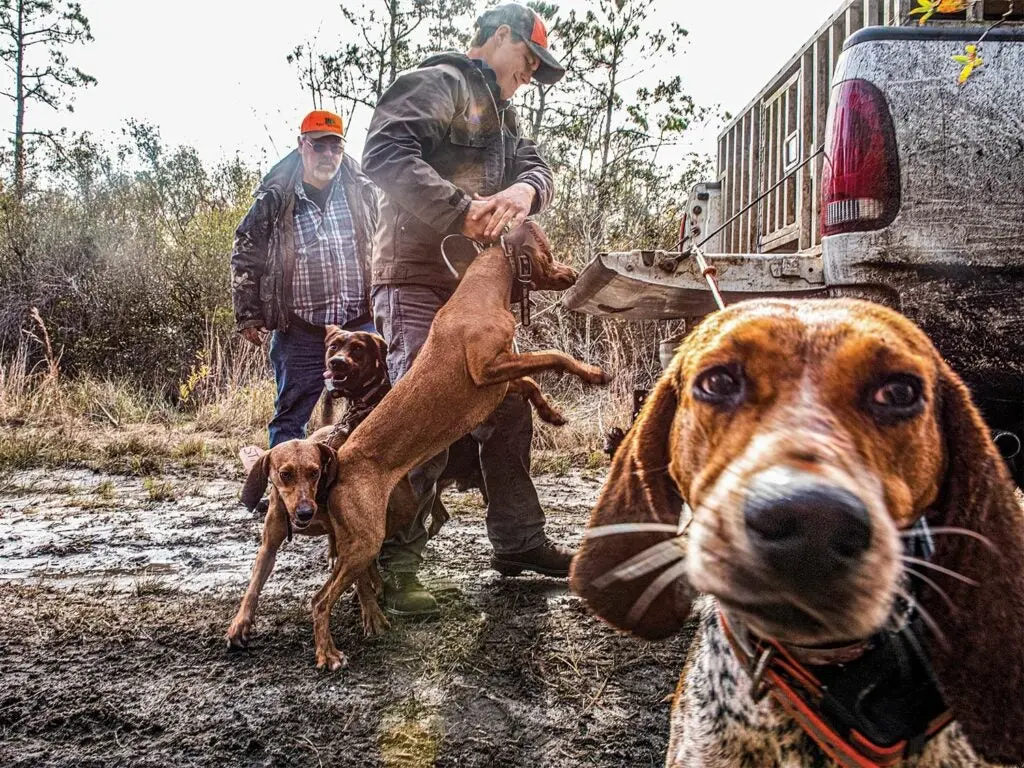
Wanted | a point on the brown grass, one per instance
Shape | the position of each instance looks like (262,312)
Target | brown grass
(226,399)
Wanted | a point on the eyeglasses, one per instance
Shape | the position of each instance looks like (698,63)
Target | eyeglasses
(334,147)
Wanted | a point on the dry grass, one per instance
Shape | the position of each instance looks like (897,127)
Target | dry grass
(227,398)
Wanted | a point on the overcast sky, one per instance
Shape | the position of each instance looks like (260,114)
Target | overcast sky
(213,74)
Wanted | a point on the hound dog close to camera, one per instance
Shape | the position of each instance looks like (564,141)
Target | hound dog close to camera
(818,471)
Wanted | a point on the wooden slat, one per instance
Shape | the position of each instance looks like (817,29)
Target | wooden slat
(854,18)
(769,145)
(820,107)
(780,131)
(780,238)
(783,135)
(734,188)
(793,127)
(727,209)
(872,13)
(755,178)
(743,181)
(805,204)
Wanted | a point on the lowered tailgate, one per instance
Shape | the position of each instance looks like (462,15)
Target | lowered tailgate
(665,285)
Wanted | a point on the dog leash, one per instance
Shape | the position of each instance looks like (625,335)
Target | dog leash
(522,269)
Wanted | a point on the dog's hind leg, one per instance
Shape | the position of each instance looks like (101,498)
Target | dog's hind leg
(528,388)
(374,620)
(274,532)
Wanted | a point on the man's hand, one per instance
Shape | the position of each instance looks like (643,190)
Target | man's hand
(492,215)
(254,335)
(476,220)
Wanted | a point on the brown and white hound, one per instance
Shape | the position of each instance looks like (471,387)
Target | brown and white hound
(820,474)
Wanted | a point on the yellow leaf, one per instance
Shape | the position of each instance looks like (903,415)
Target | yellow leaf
(961,59)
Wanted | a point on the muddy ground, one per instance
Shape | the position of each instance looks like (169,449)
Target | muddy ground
(115,593)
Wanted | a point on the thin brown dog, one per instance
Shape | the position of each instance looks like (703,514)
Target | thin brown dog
(300,473)
(781,466)
(463,372)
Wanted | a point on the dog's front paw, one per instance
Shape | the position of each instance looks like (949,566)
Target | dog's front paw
(330,659)
(238,634)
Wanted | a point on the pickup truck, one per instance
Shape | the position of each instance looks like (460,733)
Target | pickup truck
(866,169)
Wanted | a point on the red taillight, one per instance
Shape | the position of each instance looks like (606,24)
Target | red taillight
(860,179)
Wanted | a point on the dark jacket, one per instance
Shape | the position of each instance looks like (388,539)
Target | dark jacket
(263,257)
(436,138)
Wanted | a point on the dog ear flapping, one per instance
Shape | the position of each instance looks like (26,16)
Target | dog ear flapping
(638,490)
(980,668)
(256,482)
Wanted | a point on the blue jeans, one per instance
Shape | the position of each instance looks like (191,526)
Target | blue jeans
(515,520)
(297,357)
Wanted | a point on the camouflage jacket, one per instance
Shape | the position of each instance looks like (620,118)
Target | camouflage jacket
(263,257)
(438,134)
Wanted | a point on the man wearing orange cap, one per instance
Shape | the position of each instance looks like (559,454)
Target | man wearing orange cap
(301,262)
(446,151)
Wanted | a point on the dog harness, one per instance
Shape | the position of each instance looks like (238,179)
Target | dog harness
(870,704)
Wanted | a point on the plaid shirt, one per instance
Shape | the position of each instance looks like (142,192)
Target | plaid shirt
(329,283)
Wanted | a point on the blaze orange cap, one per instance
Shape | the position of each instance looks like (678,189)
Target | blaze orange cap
(320,123)
(525,23)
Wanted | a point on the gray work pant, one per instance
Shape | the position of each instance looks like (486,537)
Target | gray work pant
(515,520)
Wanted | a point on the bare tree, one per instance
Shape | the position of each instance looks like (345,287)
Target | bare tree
(388,38)
(33,37)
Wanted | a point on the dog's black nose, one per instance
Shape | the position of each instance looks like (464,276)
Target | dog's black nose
(804,528)
(339,364)
(304,512)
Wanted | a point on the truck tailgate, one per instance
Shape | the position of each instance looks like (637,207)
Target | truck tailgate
(664,285)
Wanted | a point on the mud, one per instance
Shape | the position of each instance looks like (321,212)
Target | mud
(115,593)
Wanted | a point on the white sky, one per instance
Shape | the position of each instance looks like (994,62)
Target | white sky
(213,74)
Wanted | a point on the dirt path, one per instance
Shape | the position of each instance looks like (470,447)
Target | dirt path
(115,593)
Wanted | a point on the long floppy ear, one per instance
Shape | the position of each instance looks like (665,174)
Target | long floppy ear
(638,490)
(256,482)
(328,465)
(981,672)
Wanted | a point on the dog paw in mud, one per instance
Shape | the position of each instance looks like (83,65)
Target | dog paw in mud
(375,623)
(239,634)
(330,659)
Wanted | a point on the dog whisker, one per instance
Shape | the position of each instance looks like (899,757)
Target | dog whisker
(938,568)
(927,618)
(931,583)
(650,559)
(950,530)
(652,592)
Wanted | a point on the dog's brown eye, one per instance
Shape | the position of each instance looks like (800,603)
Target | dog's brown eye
(721,385)
(286,476)
(897,397)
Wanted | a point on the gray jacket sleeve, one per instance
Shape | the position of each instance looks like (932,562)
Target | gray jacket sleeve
(531,169)
(410,121)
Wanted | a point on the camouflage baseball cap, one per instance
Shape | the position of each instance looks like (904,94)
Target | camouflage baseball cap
(527,25)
